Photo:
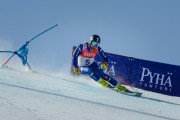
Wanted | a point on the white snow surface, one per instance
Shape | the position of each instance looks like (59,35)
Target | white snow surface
(28,95)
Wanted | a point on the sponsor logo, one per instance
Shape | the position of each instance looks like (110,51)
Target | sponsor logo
(89,54)
(156,81)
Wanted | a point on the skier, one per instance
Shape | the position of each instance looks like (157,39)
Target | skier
(84,63)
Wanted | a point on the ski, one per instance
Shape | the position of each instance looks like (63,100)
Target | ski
(128,92)
(137,94)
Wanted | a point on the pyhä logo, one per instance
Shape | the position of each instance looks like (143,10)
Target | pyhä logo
(156,81)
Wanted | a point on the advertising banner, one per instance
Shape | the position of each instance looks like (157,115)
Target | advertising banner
(147,75)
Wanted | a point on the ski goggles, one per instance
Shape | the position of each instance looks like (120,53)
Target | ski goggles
(94,43)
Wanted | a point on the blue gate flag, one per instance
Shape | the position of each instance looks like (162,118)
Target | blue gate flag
(23,52)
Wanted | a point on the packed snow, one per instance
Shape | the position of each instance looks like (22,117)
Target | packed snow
(26,95)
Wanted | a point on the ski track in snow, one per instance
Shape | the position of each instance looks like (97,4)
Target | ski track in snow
(18,81)
(46,92)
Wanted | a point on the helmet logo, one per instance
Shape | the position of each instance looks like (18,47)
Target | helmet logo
(91,38)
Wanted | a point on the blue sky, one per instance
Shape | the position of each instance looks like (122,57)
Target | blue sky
(145,29)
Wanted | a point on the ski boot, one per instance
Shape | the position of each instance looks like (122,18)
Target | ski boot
(104,83)
(120,88)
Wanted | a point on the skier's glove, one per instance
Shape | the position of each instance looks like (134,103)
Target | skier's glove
(76,71)
(104,65)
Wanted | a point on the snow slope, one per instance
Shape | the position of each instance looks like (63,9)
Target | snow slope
(39,96)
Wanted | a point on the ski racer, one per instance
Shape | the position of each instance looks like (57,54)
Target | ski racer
(84,63)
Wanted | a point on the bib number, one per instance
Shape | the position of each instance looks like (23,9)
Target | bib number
(87,62)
